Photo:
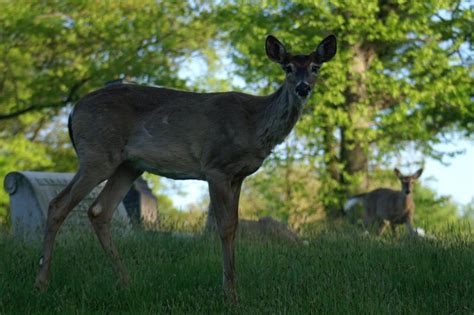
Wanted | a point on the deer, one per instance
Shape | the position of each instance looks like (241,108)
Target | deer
(123,130)
(385,206)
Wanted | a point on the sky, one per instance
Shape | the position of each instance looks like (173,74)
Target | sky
(455,179)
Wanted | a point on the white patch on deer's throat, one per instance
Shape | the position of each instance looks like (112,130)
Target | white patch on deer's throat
(41,261)
(165,120)
(303,99)
(96,209)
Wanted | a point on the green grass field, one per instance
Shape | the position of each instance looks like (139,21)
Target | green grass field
(337,273)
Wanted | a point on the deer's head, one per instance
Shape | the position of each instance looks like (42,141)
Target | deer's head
(301,70)
(408,181)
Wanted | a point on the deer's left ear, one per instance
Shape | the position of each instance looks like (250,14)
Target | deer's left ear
(418,173)
(326,49)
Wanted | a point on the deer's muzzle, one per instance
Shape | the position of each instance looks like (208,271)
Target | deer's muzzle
(303,89)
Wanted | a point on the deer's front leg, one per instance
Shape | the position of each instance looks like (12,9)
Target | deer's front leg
(382,226)
(409,226)
(225,202)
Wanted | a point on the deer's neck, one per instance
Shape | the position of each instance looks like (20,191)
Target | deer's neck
(279,116)
(408,200)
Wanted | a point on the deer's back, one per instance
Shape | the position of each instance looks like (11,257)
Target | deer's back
(138,101)
(170,128)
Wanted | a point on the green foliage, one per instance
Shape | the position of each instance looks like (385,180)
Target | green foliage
(468,211)
(19,153)
(339,272)
(432,210)
(401,75)
(170,218)
(284,190)
(52,53)
(165,204)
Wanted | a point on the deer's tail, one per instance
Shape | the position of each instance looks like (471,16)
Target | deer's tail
(353,201)
(69,127)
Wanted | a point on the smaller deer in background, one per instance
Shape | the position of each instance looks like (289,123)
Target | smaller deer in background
(385,206)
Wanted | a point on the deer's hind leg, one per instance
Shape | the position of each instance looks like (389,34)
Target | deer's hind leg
(369,219)
(102,209)
(59,208)
(393,228)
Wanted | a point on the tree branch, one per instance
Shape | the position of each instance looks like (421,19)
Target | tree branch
(35,107)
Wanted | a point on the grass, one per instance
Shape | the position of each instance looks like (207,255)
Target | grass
(337,273)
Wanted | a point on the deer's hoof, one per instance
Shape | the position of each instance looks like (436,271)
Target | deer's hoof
(122,283)
(230,294)
(231,297)
(41,285)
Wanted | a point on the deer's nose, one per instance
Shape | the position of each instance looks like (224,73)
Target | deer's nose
(302,89)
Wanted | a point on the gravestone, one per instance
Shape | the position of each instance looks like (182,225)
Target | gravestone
(267,228)
(30,194)
(141,204)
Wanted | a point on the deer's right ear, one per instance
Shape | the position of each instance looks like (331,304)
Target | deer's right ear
(326,49)
(397,172)
(275,49)
(418,173)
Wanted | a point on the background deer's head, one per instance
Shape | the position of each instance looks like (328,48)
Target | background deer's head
(408,181)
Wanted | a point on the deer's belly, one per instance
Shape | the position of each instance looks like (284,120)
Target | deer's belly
(400,219)
(234,164)
(168,171)
(167,163)
(392,215)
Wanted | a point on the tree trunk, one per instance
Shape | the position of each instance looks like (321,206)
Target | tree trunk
(353,150)
(332,206)
(355,160)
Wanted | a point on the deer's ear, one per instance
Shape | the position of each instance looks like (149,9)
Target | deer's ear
(326,49)
(418,173)
(397,172)
(275,49)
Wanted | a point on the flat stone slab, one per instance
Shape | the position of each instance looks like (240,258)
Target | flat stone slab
(30,194)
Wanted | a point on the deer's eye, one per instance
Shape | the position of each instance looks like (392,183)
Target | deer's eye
(288,69)
(315,68)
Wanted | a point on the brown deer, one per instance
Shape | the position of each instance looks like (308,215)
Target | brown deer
(122,130)
(385,206)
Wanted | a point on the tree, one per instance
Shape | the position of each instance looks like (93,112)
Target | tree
(54,52)
(434,211)
(285,191)
(401,75)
